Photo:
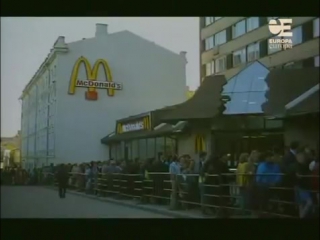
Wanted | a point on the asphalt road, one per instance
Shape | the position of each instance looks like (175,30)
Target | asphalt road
(38,202)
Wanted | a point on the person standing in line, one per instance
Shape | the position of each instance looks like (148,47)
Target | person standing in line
(250,171)
(303,184)
(62,176)
(174,170)
(88,178)
(241,179)
(95,173)
(13,176)
(289,161)
(268,175)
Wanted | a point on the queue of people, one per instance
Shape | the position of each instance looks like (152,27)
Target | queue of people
(19,176)
(292,178)
(272,181)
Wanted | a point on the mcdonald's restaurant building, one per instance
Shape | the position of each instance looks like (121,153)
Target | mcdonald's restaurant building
(144,136)
(82,88)
(225,116)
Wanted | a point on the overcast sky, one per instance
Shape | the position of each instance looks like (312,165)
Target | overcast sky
(26,41)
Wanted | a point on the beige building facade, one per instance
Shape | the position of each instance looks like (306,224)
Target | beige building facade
(227,44)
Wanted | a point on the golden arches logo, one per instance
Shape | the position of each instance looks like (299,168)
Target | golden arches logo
(146,123)
(200,144)
(91,82)
(119,128)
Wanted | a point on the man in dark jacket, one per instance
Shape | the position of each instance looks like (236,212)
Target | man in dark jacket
(220,167)
(290,157)
(62,178)
(289,161)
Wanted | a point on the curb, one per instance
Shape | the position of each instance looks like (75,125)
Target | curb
(170,213)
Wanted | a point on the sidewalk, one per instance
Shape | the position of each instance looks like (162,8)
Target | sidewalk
(160,209)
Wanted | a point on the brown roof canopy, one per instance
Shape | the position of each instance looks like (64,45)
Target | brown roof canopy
(166,129)
(204,104)
(308,105)
(286,85)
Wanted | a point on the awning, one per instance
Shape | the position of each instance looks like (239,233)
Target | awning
(204,104)
(286,85)
(163,130)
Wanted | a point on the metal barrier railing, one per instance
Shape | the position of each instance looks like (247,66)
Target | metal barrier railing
(219,193)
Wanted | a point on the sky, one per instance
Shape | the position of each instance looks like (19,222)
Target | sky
(26,42)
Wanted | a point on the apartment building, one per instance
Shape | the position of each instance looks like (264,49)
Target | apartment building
(227,44)
(83,87)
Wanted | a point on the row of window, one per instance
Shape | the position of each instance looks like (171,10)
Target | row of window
(247,25)
(300,64)
(247,54)
(29,128)
(219,65)
(210,20)
(143,148)
(252,52)
(216,40)
(45,141)
(39,107)
(43,98)
(238,29)
(48,78)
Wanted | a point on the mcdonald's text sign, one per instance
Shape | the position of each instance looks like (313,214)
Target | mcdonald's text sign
(138,124)
(91,80)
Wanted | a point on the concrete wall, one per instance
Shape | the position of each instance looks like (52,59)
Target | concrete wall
(152,77)
(303,130)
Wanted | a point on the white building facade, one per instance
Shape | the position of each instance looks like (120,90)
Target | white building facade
(64,117)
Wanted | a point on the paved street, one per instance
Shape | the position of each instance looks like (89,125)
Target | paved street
(38,202)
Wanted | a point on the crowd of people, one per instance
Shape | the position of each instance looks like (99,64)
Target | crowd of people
(274,181)
(289,178)
(20,176)
(284,182)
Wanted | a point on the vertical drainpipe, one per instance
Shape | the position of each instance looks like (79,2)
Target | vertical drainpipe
(27,130)
(48,114)
(35,127)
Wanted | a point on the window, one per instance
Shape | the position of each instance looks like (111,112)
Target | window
(221,64)
(316,61)
(239,29)
(135,149)
(210,68)
(209,20)
(220,38)
(160,147)
(209,43)
(274,47)
(217,18)
(151,147)
(269,18)
(316,27)
(239,57)
(170,147)
(143,148)
(252,23)
(253,52)
(296,35)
